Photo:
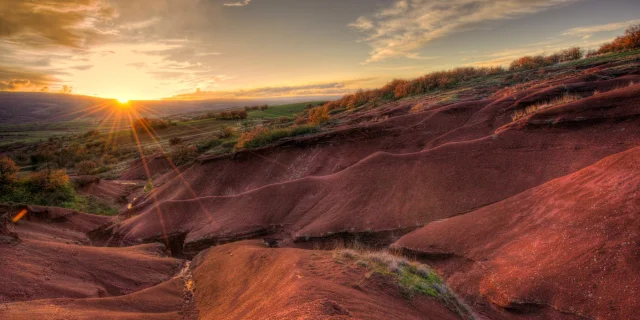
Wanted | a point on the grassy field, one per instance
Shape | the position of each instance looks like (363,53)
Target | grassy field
(286,110)
(31,133)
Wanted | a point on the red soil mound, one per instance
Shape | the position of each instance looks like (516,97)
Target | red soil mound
(115,192)
(570,245)
(245,280)
(52,260)
(314,156)
(398,191)
(164,301)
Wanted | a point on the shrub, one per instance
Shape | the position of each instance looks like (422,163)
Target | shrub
(8,172)
(253,108)
(174,141)
(232,115)
(630,40)
(283,119)
(205,146)
(108,159)
(48,180)
(262,136)
(398,88)
(534,62)
(227,132)
(571,54)
(318,115)
(183,154)
(70,155)
(86,167)
(144,124)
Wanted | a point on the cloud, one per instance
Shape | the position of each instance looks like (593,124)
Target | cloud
(588,31)
(319,89)
(14,79)
(67,23)
(405,27)
(238,4)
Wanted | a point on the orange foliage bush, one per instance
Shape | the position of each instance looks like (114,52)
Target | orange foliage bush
(630,40)
(8,172)
(48,179)
(534,62)
(85,167)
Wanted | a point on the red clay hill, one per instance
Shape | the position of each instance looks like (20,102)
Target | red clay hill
(525,200)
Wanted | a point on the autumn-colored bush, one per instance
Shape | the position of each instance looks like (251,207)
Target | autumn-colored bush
(86,167)
(8,172)
(227,132)
(630,40)
(183,154)
(318,115)
(108,159)
(398,88)
(68,156)
(534,62)
(48,180)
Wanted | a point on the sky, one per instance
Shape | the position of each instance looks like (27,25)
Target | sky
(205,49)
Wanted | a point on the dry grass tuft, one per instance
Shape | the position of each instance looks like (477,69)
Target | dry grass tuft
(524,112)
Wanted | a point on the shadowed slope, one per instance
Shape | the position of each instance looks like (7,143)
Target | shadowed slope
(160,302)
(52,259)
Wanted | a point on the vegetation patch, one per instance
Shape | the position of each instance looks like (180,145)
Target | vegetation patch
(262,136)
(521,113)
(287,110)
(47,188)
(412,277)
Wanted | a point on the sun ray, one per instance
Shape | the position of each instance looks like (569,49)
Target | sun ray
(148,173)
(91,110)
(152,134)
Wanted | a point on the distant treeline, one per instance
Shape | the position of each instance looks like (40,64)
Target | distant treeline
(225,115)
(144,124)
(253,108)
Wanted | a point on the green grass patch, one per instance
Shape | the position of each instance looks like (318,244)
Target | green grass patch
(63,196)
(287,110)
(263,137)
(412,277)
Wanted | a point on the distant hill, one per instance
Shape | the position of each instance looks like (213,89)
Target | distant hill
(33,107)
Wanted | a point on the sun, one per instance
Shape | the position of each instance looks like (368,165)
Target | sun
(122,100)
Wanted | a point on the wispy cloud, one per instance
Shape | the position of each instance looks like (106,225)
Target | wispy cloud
(238,4)
(69,23)
(405,27)
(588,31)
(317,89)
